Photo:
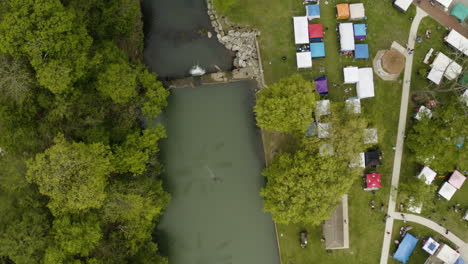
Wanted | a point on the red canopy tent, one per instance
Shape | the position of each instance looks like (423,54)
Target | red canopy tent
(373,181)
(315,32)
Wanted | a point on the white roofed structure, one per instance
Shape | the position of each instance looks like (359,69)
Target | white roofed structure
(403,4)
(322,107)
(303,60)
(458,41)
(346,37)
(447,191)
(464,97)
(445,3)
(357,11)
(370,136)
(351,74)
(444,66)
(323,130)
(427,174)
(353,105)
(447,255)
(301,30)
(414,207)
(423,111)
(365,85)
(431,246)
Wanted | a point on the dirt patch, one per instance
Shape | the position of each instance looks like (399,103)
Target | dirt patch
(393,61)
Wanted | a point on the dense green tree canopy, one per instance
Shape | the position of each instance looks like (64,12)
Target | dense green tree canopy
(416,193)
(286,106)
(434,141)
(72,175)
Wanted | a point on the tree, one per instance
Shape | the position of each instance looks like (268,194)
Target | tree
(118,81)
(134,154)
(286,106)
(72,175)
(416,193)
(434,140)
(16,79)
(305,187)
(155,95)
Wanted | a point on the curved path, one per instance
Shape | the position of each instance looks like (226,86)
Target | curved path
(463,246)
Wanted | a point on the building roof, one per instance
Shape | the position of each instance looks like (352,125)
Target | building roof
(370,136)
(317,49)
(342,11)
(458,41)
(315,31)
(447,191)
(445,3)
(373,181)
(351,74)
(322,107)
(427,174)
(301,30)
(457,179)
(430,246)
(353,105)
(304,60)
(357,11)
(360,30)
(346,37)
(321,85)
(313,11)
(362,51)
(403,4)
(365,85)
(405,248)
(447,254)
(335,229)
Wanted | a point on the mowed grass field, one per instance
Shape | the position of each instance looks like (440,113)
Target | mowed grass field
(385,25)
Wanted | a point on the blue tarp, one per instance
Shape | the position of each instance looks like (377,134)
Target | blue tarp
(313,11)
(361,51)
(317,49)
(360,31)
(460,261)
(405,248)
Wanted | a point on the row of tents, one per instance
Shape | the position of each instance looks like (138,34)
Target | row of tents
(348,32)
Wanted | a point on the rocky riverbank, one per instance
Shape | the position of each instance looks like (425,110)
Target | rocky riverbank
(235,38)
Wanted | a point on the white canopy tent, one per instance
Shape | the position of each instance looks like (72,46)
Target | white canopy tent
(322,107)
(447,191)
(303,60)
(370,136)
(447,255)
(428,174)
(431,246)
(359,161)
(458,41)
(423,111)
(353,105)
(403,4)
(365,85)
(351,74)
(301,30)
(464,97)
(346,37)
(444,66)
(357,11)
(323,130)
(445,3)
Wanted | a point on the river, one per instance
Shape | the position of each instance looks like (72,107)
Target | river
(213,155)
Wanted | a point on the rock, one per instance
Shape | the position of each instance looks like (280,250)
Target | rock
(219,36)
(209,5)
(214,24)
(211,17)
(242,64)
(220,28)
(235,47)
(209,34)
(228,46)
(237,34)
(225,39)
(236,62)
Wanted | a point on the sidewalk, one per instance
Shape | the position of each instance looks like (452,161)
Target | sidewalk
(442,17)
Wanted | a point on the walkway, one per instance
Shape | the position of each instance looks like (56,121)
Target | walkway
(400,134)
(436,227)
(442,17)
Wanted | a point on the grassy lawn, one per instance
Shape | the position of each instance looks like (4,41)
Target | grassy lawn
(420,232)
(385,24)
(410,167)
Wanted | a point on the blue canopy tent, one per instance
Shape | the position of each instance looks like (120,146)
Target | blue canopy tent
(360,31)
(312,130)
(405,248)
(317,49)
(460,261)
(313,11)
(361,51)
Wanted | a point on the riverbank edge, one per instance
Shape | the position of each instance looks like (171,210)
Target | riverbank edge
(218,26)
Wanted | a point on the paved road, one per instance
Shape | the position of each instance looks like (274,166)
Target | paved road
(400,135)
(436,227)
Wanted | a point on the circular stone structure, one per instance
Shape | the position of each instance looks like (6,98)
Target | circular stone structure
(393,61)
